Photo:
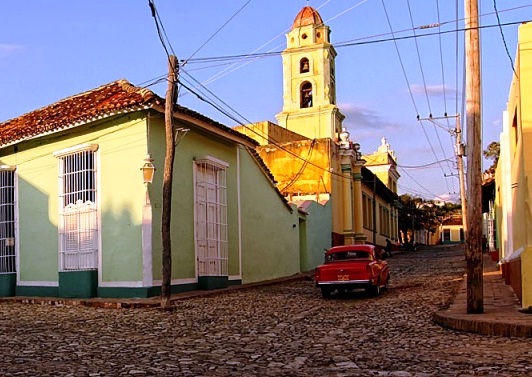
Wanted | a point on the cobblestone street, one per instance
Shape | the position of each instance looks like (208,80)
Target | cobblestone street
(280,330)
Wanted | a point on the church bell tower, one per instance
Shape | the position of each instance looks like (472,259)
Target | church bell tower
(309,90)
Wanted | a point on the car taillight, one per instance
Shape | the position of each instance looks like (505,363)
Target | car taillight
(368,269)
(316,274)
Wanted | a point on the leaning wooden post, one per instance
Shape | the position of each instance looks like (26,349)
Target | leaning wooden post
(166,288)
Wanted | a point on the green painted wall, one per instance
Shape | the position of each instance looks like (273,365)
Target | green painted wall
(270,234)
(318,234)
(122,197)
(121,151)
(194,145)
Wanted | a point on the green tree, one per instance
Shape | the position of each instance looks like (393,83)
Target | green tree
(492,152)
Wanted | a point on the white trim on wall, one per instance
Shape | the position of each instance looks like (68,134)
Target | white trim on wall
(146,235)
(239,210)
(31,283)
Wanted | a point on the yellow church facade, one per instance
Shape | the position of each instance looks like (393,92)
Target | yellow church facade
(309,153)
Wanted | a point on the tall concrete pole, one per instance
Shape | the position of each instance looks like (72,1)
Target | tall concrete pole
(475,286)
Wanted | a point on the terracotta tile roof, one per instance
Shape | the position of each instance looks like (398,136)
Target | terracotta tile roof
(117,97)
(110,99)
(307,16)
(455,220)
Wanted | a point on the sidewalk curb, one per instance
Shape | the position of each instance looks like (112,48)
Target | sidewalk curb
(475,324)
(145,303)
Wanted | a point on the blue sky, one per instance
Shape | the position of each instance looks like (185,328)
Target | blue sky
(54,49)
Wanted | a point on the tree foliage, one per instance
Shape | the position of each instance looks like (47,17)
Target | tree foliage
(417,213)
(492,152)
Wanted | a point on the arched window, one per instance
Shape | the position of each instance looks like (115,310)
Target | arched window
(306,94)
(304,66)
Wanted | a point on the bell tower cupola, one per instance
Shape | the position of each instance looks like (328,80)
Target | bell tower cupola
(309,87)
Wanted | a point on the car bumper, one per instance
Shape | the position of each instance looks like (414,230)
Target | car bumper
(344,282)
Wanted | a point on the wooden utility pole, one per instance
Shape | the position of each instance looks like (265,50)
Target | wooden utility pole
(475,286)
(166,288)
(460,163)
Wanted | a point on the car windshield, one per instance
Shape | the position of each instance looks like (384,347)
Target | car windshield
(349,255)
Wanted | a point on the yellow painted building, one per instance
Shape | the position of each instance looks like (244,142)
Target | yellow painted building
(380,178)
(513,196)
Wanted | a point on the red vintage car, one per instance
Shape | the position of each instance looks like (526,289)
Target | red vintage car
(352,267)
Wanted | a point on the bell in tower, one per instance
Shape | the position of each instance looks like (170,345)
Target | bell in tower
(309,90)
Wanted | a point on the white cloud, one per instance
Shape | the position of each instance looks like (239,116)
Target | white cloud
(359,117)
(434,90)
(8,49)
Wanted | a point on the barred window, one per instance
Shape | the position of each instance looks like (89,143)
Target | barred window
(78,225)
(211,217)
(7,220)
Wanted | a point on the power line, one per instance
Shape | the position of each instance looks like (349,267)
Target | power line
(269,139)
(217,31)
(160,28)
(419,57)
(441,61)
(503,39)
(432,149)
(399,56)
(420,185)
(423,166)
(350,43)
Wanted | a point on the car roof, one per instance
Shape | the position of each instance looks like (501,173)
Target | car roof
(360,247)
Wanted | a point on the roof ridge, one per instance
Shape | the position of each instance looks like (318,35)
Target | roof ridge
(146,93)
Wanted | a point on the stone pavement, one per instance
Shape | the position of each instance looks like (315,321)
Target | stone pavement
(281,330)
(501,315)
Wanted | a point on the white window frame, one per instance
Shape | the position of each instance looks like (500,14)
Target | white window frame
(210,208)
(8,220)
(78,229)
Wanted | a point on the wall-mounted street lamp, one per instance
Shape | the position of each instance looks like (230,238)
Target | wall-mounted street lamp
(148,170)
(358,154)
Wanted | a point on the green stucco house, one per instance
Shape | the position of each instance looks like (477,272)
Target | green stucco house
(77,219)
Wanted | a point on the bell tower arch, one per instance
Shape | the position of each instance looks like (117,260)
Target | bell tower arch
(309,86)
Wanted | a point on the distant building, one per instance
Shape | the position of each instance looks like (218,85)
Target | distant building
(452,230)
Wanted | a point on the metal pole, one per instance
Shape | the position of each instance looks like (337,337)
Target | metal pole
(460,163)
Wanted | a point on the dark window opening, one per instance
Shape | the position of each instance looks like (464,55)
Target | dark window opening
(304,66)
(306,95)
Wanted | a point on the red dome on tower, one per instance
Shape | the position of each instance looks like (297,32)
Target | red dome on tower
(307,16)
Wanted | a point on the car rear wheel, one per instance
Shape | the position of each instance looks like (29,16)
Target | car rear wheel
(374,290)
(326,292)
